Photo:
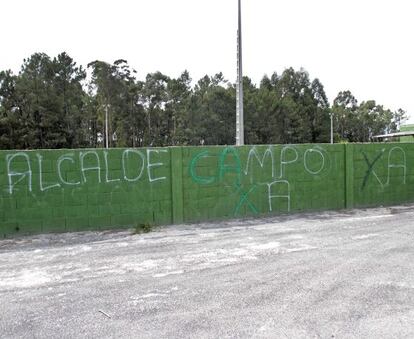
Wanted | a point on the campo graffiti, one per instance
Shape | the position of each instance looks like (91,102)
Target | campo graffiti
(253,171)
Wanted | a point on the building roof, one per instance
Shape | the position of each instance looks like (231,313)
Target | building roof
(395,135)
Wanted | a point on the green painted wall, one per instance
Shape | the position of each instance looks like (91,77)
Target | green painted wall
(383,174)
(75,190)
(228,182)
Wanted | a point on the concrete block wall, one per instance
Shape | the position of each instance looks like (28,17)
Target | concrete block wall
(229,182)
(76,190)
(94,189)
(383,174)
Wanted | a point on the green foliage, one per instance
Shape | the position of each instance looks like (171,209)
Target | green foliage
(43,106)
(143,228)
(287,109)
(51,104)
(359,123)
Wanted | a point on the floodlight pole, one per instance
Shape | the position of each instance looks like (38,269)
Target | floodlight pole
(106,127)
(239,85)
(332,141)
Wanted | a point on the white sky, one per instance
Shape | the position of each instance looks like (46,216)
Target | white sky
(365,46)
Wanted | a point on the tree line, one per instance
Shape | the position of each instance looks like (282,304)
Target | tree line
(55,103)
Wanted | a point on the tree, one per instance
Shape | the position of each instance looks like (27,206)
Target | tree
(290,109)
(359,123)
(42,106)
(155,99)
(114,88)
(12,123)
(67,83)
(344,112)
(211,112)
(319,114)
(178,92)
(46,106)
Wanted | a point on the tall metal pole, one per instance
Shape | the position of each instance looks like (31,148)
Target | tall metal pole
(332,141)
(239,85)
(106,127)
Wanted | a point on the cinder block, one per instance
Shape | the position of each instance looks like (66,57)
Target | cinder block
(27,227)
(118,198)
(8,229)
(92,199)
(163,217)
(93,211)
(53,200)
(129,208)
(109,210)
(75,198)
(100,223)
(113,177)
(104,199)
(55,225)
(74,177)
(123,220)
(76,224)
(76,211)
(47,165)
(36,213)
(58,212)
(12,214)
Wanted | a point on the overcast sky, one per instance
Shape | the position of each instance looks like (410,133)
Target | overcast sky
(365,46)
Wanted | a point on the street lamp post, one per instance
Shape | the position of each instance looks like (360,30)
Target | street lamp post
(239,85)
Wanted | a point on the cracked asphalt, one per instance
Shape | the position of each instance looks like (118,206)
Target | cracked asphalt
(347,274)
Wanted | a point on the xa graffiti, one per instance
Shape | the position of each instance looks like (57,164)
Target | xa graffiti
(396,160)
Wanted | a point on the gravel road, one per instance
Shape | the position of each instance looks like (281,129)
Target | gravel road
(346,274)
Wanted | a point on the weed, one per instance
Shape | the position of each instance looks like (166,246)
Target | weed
(143,228)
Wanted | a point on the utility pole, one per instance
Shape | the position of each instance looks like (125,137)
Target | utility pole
(239,85)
